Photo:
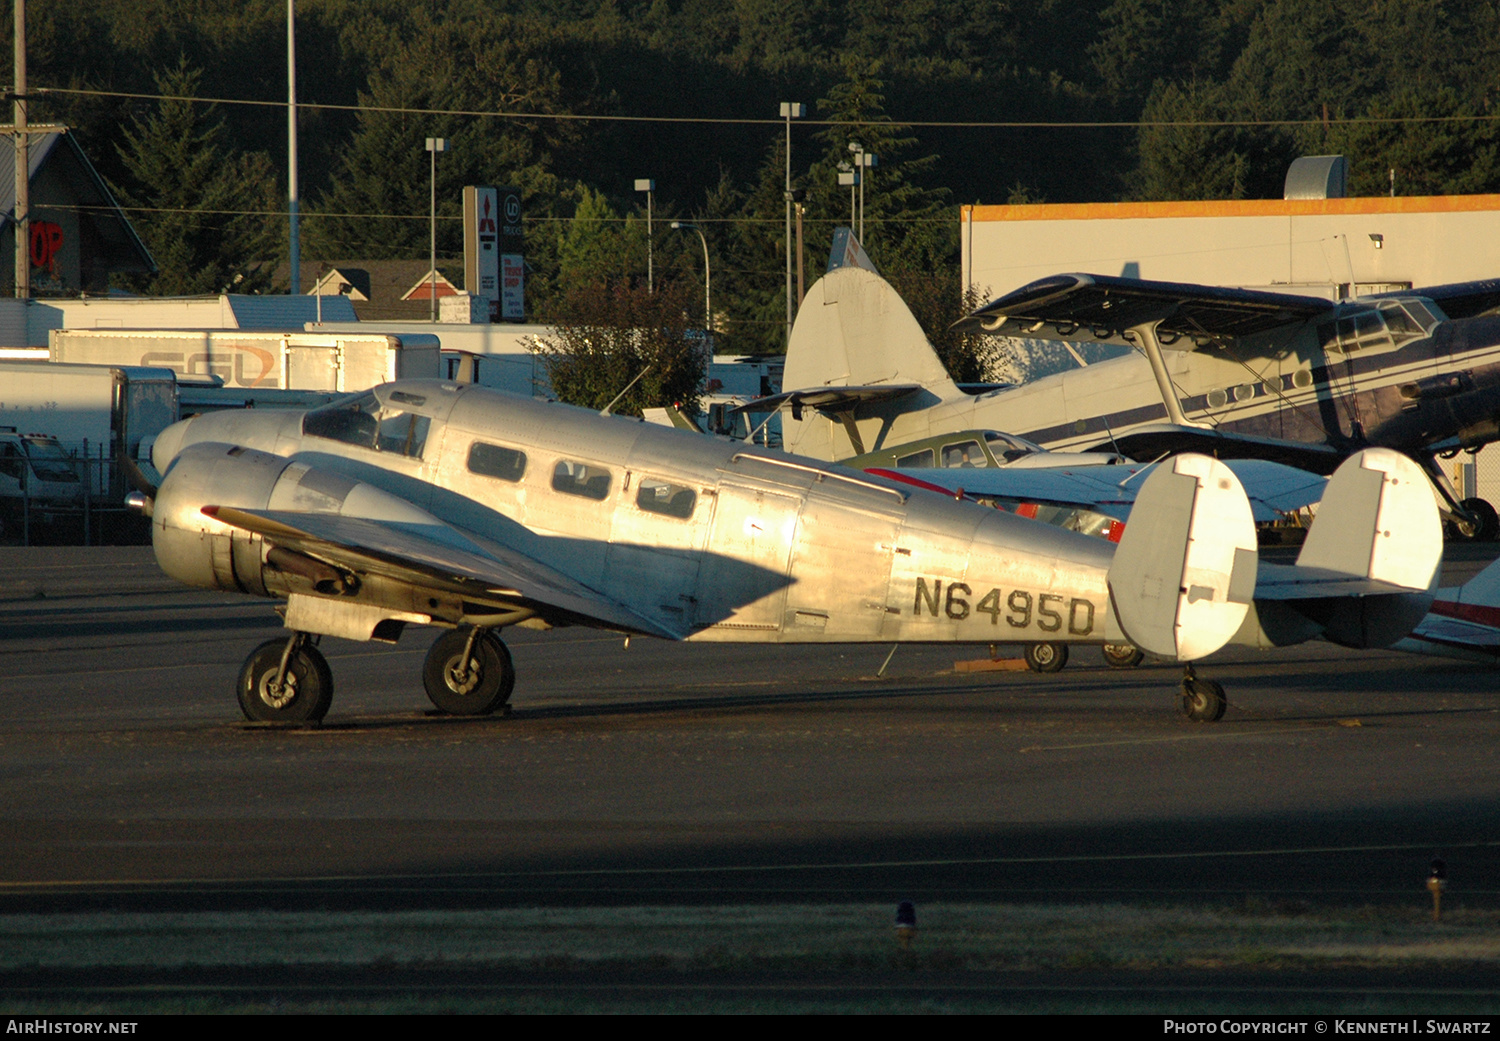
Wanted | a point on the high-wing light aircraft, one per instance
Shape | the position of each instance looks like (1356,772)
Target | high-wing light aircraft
(436,503)
(1228,372)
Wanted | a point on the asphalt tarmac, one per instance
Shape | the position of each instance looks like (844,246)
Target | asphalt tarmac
(698,773)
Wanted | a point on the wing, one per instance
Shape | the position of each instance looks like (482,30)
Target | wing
(1158,439)
(1100,308)
(439,556)
(1461,299)
(830,399)
(1272,489)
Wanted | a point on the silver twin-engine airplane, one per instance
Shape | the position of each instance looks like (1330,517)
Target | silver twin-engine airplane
(442,504)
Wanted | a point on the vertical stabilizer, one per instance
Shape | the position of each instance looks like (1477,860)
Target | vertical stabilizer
(1184,576)
(854,330)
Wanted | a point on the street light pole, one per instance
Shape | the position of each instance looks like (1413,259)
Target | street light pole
(790,110)
(434,146)
(707,276)
(862,161)
(645,184)
(293,203)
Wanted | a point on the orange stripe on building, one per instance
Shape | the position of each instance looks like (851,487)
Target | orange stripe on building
(1375,204)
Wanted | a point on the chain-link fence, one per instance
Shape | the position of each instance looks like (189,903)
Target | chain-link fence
(68,495)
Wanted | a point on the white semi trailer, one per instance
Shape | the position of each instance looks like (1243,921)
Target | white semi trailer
(330,362)
(63,429)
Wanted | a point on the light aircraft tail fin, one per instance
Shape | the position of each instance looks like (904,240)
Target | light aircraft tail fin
(1182,580)
(854,330)
(1368,569)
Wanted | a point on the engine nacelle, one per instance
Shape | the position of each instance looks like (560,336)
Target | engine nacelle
(197,549)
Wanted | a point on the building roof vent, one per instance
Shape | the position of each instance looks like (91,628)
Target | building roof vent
(1317,177)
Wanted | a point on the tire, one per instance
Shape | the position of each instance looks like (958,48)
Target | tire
(307,691)
(1488,526)
(1046,657)
(481,689)
(1203,701)
(1122,655)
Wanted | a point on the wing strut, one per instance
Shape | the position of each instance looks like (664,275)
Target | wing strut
(1146,335)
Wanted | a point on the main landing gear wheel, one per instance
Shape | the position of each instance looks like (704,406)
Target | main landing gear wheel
(1487,525)
(1202,700)
(1046,657)
(468,672)
(1122,655)
(301,694)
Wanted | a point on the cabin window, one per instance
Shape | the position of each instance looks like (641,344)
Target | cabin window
(365,422)
(925,458)
(1009,447)
(585,479)
(965,454)
(495,461)
(673,500)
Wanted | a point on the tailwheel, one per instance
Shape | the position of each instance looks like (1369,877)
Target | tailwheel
(1046,657)
(1122,655)
(286,681)
(1202,700)
(468,672)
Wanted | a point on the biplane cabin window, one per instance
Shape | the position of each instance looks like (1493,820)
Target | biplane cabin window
(583,479)
(494,461)
(1362,331)
(917,460)
(672,500)
(965,454)
(366,422)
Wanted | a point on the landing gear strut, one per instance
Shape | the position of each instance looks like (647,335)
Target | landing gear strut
(286,681)
(468,672)
(1202,700)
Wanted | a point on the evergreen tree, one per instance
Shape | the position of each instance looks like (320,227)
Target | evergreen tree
(210,216)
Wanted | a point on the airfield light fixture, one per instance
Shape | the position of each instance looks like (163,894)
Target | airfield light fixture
(434,146)
(1437,881)
(647,185)
(790,110)
(906,923)
(678,225)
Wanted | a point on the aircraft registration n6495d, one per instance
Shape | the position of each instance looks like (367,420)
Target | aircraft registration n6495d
(442,504)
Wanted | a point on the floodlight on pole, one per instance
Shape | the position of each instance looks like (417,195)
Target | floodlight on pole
(678,225)
(647,185)
(790,110)
(850,178)
(434,146)
(863,161)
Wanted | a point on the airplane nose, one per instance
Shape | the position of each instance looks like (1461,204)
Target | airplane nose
(168,444)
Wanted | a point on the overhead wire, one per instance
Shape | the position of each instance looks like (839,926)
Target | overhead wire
(770,121)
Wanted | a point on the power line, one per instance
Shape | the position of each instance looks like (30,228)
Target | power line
(1120,124)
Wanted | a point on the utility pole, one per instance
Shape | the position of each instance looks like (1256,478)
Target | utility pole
(434,146)
(790,110)
(294,237)
(647,185)
(22,222)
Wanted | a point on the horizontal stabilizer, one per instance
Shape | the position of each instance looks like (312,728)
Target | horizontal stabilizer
(1182,580)
(1368,568)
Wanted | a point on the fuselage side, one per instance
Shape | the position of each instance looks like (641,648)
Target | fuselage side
(710,538)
